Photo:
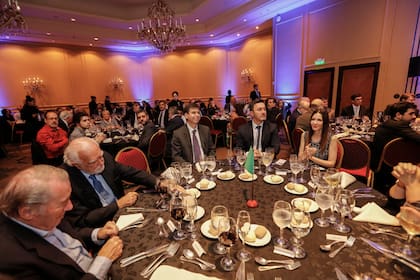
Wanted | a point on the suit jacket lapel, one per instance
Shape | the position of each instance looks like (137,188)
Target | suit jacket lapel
(188,149)
(203,139)
(87,192)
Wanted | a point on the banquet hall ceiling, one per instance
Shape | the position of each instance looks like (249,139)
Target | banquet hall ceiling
(114,22)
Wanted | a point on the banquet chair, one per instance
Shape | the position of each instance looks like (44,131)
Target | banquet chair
(134,157)
(340,155)
(157,147)
(287,134)
(356,158)
(399,150)
(296,134)
(236,123)
(205,120)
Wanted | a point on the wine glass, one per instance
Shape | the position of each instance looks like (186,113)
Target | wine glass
(203,166)
(294,167)
(302,166)
(267,158)
(229,157)
(300,225)
(315,173)
(217,213)
(237,151)
(177,208)
(244,225)
(324,199)
(211,165)
(281,217)
(241,158)
(190,203)
(176,172)
(345,204)
(409,218)
(186,172)
(333,177)
(228,234)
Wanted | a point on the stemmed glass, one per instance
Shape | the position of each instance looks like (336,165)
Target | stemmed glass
(186,172)
(244,225)
(333,177)
(259,160)
(241,158)
(190,203)
(324,199)
(267,158)
(218,213)
(203,166)
(302,166)
(294,166)
(237,151)
(281,217)
(228,234)
(229,157)
(177,208)
(211,166)
(409,217)
(301,226)
(345,204)
(315,173)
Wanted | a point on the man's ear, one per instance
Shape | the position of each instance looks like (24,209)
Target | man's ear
(398,116)
(26,212)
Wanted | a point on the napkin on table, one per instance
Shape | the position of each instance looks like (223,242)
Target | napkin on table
(127,220)
(165,272)
(346,179)
(372,213)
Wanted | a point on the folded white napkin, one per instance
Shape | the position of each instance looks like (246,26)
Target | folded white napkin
(343,134)
(346,179)
(280,161)
(135,137)
(372,213)
(127,220)
(165,272)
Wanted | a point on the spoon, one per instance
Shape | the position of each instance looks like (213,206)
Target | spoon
(201,265)
(190,255)
(162,231)
(262,261)
(327,247)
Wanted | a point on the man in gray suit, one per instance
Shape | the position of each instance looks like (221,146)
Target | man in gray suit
(192,141)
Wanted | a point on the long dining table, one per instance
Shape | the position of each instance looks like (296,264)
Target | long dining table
(360,258)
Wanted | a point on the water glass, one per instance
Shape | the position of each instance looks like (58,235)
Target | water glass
(217,213)
(228,234)
(324,199)
(300,225)
(345,204)
(281,217)
(409,218)
(178,211)
(186,172)
(294,167)
(211,165)
(244,225)
(190,203)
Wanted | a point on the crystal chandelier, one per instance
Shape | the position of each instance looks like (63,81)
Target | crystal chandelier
(162,30)
(33,85)
(10,16)
(116,83)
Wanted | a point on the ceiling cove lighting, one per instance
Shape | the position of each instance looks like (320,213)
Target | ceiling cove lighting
(162,30)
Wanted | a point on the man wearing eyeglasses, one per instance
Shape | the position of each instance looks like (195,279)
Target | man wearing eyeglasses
(96,180)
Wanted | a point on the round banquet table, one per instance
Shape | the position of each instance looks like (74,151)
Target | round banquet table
(316,265)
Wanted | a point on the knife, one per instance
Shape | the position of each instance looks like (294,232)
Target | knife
(340,274)
(393,255)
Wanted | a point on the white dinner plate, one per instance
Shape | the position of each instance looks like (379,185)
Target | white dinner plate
(205,230)
(194,191)
(211,186)
(259,242)
(311,224)
(313,208)
(200,214)
(293,191)
(220,176)
(253,178)
(268,179)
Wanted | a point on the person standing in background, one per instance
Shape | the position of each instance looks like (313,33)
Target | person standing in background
(93,106)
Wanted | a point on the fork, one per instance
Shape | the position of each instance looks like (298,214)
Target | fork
(349,242)
(170,252)
(292,266)
(139,225)
(378,230)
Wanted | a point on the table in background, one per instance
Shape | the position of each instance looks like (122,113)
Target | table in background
(317,265)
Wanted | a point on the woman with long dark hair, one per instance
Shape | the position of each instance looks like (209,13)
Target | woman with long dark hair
(318,145)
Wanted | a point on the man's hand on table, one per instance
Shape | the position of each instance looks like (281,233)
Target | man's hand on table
(112,249)
(110,229)
(127,200)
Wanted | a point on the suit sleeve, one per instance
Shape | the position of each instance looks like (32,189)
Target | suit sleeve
(274,137)
(177,147)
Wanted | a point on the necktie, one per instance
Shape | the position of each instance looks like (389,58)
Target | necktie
(71,247)
(258,136)
(100,189)
(196,147)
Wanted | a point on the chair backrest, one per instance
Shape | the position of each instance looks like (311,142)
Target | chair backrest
(157,145)
(205,120)
(237,122)
(340,155)
(356,154)
(134,157)
(400,150)
(37,153)
(279,121)
(296,134)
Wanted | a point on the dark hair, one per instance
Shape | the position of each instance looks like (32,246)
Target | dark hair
(229,92)
(50,111)
(354,96)
(78,116)
(190,106)
(252,104)
(175,92)
(401,107)
(270,98)
(325,130)
(143,111)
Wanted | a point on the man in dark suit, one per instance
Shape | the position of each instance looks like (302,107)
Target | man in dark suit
(146,130)
(37,243)
(131,115)
(356,110)
(176,102)
(255,93)
(96,180)
(161,116)
(65,120)
(174,122)
(402,114)
(192,141)
(258,133)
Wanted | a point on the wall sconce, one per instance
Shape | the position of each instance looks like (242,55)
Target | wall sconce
(247,75)
(116,83)
(33,85)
